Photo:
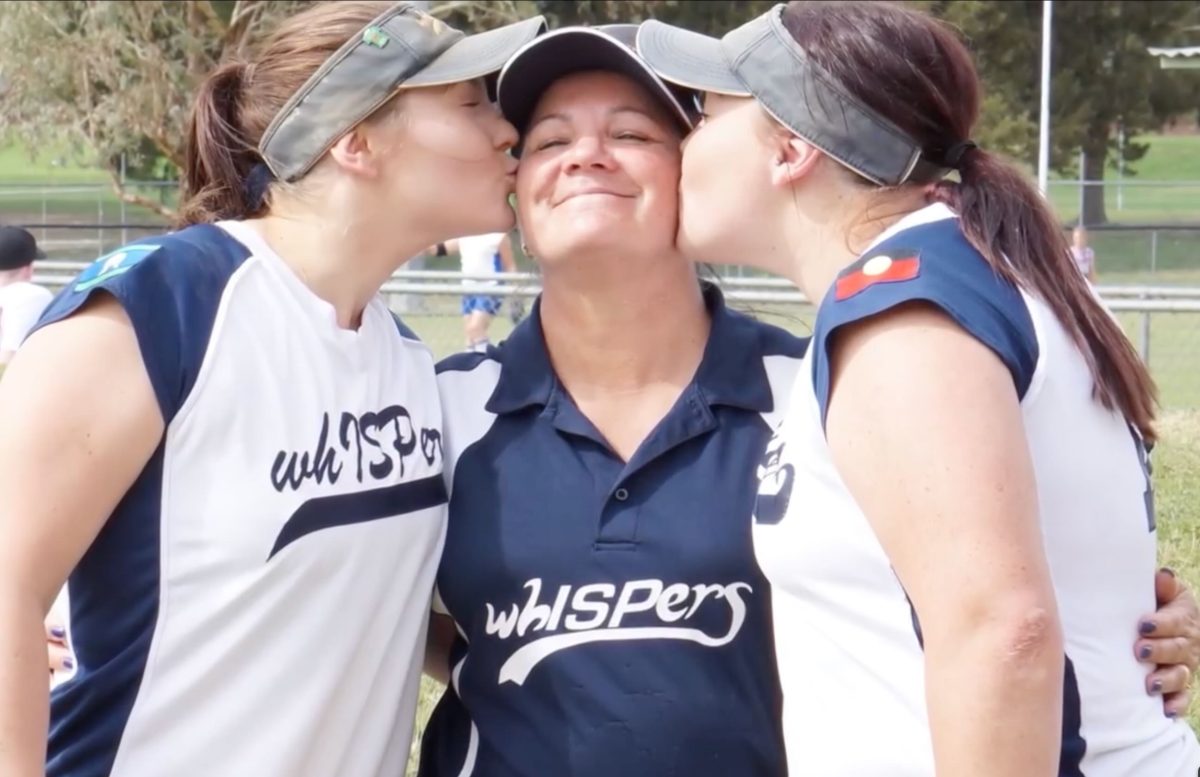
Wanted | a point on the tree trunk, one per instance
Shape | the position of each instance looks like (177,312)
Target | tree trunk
(1093,193)
(119,189)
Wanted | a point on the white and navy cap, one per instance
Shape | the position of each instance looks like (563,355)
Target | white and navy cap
(401,47)
(559,53)
(761,59)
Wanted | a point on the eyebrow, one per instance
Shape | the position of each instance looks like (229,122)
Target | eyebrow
(563,117)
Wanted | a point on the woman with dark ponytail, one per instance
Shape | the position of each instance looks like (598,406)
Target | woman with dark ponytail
(956,514)
(227,440)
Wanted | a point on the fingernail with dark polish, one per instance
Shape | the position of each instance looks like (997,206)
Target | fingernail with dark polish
(68,663)
(1147,627)
(1156,686)
(1145,652)
(1172,714)
(58,632)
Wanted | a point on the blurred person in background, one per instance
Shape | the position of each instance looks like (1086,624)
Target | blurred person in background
(480,255)
(1083,254)
(21,300)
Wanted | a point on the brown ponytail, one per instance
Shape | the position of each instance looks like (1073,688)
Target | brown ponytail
(224,177)
(916,72)
(217,156)
(1006,219)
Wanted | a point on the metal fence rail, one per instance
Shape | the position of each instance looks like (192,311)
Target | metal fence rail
(1163,322)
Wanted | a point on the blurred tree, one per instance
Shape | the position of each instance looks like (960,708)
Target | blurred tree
(1104,83)
(107,79)
(714,17)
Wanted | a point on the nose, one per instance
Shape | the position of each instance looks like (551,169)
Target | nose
(588,152)
(505,135)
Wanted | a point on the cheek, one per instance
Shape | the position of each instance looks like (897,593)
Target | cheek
(699,171)
(528,215)
(667,188)
(453,137)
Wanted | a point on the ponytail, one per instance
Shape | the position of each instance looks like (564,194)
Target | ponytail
(1009,222)
(923,81)
(224,177)
(218,158)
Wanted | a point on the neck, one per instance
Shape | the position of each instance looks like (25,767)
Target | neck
(343,266)
(9,277)
(620,326)
(817,248)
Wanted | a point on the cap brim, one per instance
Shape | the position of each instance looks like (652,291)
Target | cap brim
(688,58)
(534,68)
(477,56)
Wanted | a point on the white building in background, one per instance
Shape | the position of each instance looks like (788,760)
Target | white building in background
(1182,58)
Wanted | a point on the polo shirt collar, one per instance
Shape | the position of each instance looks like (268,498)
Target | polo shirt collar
(731,371)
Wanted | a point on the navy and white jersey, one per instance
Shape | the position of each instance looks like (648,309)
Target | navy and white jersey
(848,641)
(257,604)
(611,617)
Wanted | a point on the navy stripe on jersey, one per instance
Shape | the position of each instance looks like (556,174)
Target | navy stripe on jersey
(170,287)
(1073,745)
(404,330)
(374,504)
(931,263)
(113,611)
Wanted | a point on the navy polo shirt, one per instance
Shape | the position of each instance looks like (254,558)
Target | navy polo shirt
(612,621)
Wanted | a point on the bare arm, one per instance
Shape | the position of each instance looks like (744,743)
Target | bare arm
(80,422)
(437,647)
(926,431)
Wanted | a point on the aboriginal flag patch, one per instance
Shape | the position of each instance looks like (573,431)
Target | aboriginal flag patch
(883,267)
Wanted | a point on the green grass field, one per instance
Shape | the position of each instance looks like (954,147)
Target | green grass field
(1169,158)
(18,166)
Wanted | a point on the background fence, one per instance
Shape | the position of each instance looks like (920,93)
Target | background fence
(1149,272)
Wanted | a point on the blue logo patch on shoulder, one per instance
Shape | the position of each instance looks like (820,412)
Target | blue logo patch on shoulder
(112,265)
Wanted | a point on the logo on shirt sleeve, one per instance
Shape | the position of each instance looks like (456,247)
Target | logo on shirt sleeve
(112,265)
(775,480)
(890,267)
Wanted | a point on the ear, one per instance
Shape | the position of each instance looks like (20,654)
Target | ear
(355,153)
(794,158)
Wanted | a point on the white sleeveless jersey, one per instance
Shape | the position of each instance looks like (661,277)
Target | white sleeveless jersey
(480,255)
(257,604)
(847,638)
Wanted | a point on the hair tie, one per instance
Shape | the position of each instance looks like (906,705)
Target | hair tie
(954,155)
(255,186)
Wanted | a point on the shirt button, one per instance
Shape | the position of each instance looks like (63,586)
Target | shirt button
(621,494)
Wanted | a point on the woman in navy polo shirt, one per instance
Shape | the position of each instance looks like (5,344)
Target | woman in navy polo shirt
(605,611)
(598,566)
